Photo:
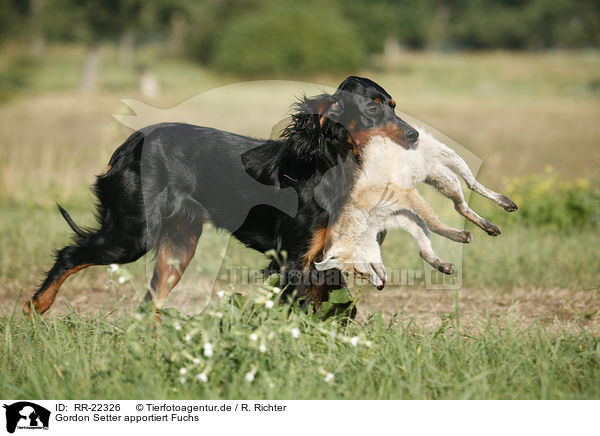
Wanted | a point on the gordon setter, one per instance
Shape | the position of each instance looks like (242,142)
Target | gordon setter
(166,180)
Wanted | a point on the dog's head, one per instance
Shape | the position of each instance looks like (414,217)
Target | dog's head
(331,125)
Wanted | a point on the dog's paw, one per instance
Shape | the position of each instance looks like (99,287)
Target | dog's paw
(508,204)
(490,228)
(28,309)
(445,267)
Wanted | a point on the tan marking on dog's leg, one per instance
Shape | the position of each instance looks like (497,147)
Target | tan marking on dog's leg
(43,300)
(316,246)
(171,262)
(317,295)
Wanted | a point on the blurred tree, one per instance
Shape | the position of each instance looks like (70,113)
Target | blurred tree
(210,18)
(170,18)
(97,21)
(563,23)
(289,37)
(38,37)
(408,21)
(439,25)
(523,24)
(13,14)
(274,36)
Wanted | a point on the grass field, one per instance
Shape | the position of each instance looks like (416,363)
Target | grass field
(524,324)
(243,349)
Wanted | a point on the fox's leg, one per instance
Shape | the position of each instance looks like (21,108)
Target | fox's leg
(417,228)
(421,208)
(448,184)
(393,199)
(454,162)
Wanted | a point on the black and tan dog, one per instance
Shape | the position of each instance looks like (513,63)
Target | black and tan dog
(166,180)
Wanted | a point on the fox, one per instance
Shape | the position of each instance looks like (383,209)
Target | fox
(384,197)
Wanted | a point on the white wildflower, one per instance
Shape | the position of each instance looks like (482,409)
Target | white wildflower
(196,361)
(202,377)
(368,343)
(249,377)
(182,371)
(208,349)
(296,332)
(329,377)
(177,327)
(262,348)
(277,290)
(254,337)
(188,338)
(219,315)
(269,304)
(221,293)
(114,267)
(354,340)
(121,280)
(182,380)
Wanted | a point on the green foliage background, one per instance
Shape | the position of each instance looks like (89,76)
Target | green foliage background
(250,37)
(289,37)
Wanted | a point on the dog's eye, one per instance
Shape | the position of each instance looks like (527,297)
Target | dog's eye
(373,108)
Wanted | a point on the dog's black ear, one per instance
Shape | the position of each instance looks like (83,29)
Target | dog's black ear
(306,131)
(333,111)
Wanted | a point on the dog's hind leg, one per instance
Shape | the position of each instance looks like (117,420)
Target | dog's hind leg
(44,297)
(416,227)
(459,166)
(99,248)
(448,184)
(174,251)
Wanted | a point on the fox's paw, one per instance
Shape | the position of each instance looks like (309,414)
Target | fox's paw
(445,267)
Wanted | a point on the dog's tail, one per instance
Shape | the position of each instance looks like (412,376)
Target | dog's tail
(70,221)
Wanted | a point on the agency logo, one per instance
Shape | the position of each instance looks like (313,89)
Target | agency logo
(27,416)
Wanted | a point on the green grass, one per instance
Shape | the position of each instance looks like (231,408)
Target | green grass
(129,356)
(529,306)
(522,257)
